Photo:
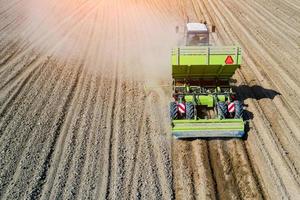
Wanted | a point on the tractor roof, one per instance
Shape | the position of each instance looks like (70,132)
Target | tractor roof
(196,28)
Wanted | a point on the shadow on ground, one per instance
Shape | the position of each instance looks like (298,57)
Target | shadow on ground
(254,92)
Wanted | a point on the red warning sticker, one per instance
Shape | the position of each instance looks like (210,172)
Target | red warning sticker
(229,60)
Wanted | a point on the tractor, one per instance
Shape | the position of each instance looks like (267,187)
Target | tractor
(204,104)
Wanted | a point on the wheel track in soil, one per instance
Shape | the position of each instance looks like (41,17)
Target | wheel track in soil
(115,139)
(79,139)
(103,191)
(133,179)
(215,165)
(87,190)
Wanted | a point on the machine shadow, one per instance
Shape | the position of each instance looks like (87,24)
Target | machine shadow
(254,92)
(247,116)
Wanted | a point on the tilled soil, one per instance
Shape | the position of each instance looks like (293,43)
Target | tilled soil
(84,92)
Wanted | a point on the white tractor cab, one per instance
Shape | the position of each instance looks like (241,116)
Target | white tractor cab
(197,34)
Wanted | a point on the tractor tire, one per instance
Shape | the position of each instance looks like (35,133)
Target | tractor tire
(222,110)
(190,112)
(239,110)
(173,110)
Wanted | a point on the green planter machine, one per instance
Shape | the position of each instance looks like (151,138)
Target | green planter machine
(204,103)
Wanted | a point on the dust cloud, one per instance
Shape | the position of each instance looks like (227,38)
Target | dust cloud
(76,30)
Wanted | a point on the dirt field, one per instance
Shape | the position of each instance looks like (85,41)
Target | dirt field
(77,122)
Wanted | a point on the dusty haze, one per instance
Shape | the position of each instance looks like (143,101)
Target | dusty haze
(76,30)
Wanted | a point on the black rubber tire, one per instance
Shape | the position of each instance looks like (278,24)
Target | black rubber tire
(173,110)
(222,110)
(239,110)
(190,112)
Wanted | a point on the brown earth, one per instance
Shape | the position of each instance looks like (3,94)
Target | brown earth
(77,122)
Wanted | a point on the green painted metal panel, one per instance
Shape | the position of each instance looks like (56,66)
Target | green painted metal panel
(208,124)
(208,120)
(206,100)
(208,134)
(205,62)
(189,98)
(210,71)
(221,98)
(201,100)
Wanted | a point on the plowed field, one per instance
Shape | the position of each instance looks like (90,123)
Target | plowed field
(84,92)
